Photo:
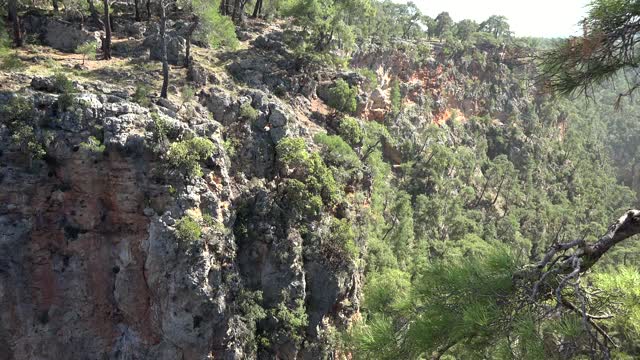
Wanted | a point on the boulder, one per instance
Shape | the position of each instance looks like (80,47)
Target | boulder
(176,47)
(309,88)
(379,100)
(278,119)
(271,42)
(65,37)
(220,103)
(197,75)
(135,29)
(353,78)
(46,84)
(251,71)
(243,35)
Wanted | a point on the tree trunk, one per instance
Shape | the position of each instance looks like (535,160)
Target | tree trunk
(106,43)
(137,10)
(15,22)
(189,35)
(242,16)
(148,9)
(405,33)
(163,46)
(626,226)
(495,199)
(223,7)
(585,255)
(484,189)
(94,15)
(55,6)
(257,9)
(187,50)
(236,8)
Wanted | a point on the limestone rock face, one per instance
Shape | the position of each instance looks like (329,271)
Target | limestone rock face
(90,264)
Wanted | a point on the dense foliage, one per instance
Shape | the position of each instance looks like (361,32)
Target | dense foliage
(186,155)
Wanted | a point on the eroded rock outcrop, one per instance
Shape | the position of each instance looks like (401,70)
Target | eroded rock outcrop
(59,34)
(90,264)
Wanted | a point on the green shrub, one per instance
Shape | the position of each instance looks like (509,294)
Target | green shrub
(387,291)
(321,181)
(160,127)
(11,62)
(187,229)
(65,86)
(341,242)
(88,50)
(351,131)
(342,97)
(308,168)
(187,154)
(187,94)
(19,117)
(209,220)
(93,145)
(299,200)
(50,63)
(372,78)
(248,112)
(8,60)
(5,42)
(337,152)
(18,109)
(141,95)
(230,145)
(25,137)
(213,223)
(293,320)
(292,152)
(62,83)
(250,305)
(216,29)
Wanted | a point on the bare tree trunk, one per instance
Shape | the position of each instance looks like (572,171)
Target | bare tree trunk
(257,10)
(189,35)
(55,6)
(15,22)
(241,13)
(106,43)
(187,51)
(223,7)
(495,199)
(585,255)
(236,7)
(148,9)
(163,45)
(137,10)
(484,189)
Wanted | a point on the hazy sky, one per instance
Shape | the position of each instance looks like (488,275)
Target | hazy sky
(541,18)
